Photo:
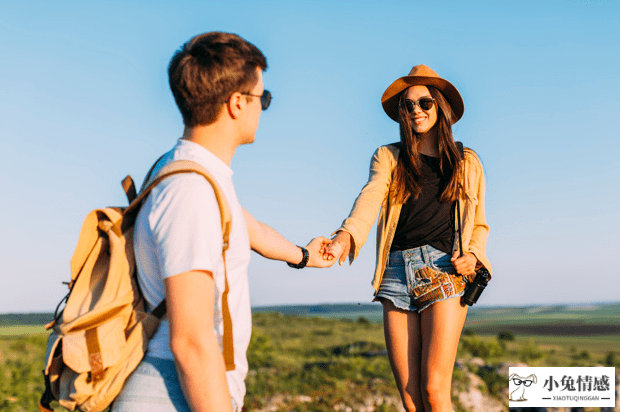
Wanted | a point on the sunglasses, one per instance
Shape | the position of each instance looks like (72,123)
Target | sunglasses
(425,103)
(265,98)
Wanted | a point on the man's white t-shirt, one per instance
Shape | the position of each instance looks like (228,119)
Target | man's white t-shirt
(178,229)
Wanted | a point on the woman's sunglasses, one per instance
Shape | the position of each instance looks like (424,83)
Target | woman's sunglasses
(265,98)
(425,103)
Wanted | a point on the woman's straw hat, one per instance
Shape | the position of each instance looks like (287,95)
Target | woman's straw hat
(425,76)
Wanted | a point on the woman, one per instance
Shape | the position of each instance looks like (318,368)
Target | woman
(420,272)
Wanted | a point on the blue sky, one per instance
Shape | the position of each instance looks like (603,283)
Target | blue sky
(84,101)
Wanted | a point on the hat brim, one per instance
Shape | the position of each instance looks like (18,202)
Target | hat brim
(390,97)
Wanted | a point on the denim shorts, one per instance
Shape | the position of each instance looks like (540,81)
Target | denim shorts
(154,387)
(416,278)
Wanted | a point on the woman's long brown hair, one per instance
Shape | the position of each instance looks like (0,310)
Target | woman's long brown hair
(408,169)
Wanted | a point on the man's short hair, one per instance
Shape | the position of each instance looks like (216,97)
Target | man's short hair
(207,70)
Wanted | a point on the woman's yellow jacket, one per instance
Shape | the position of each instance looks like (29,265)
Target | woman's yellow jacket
(376,195)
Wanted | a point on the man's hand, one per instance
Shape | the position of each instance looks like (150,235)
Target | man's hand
(316,248)
(339,248)
(464,265)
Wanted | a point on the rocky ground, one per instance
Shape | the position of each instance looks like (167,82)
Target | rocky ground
(476,396)
(470,394)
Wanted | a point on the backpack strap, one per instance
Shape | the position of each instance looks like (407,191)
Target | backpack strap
(130,188)
(187,166)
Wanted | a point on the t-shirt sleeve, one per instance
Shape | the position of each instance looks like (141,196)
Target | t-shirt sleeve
(186,226)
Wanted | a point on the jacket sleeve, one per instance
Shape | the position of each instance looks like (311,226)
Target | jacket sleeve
(480,231)
(368,203)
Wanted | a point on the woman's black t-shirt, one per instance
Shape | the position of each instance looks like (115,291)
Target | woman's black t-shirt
(425,220)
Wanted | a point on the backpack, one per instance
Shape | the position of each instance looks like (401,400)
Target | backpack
(102,333)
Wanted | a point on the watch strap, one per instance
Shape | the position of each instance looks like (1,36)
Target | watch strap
(304,260)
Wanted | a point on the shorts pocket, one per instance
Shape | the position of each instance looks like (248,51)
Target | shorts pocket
(442,263)
(455,285)
(433,286)
(426,279)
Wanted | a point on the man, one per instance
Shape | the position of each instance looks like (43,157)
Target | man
(217,82)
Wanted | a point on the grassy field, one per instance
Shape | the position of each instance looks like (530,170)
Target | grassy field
(317,364)
(296,364)
(331,357)
(21,330)
(21,362)
(574,321)
(371,311)
(543,320)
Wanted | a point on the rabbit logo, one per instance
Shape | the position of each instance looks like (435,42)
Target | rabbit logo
(521,383)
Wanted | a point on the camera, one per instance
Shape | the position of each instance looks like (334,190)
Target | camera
(476,287)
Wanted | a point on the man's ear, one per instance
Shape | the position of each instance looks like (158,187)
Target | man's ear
(235,105)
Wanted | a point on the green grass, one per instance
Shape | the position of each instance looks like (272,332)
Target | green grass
(330,361)
(562,320)
(330,356)
(371,311)
(21,330)
(543,350)
(536,315)
(21,362)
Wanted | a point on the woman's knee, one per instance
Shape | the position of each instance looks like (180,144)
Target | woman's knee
(436,393)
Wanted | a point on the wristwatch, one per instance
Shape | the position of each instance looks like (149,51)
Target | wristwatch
(304,260)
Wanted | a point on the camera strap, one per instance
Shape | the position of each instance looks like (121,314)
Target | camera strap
(458,218)
(459,145)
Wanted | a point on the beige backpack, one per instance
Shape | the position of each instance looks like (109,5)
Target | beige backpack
(102,333)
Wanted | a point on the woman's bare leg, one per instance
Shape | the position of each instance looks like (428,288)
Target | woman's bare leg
(403,342)
(441,325)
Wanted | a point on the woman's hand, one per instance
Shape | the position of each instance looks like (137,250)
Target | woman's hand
(340,247)
(318,258)
(464,265)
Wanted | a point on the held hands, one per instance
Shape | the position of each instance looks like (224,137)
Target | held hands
(318,258)
(325,252)
(465,265)
(339,248)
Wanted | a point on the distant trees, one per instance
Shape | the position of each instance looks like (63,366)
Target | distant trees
(506,336)
(611,359)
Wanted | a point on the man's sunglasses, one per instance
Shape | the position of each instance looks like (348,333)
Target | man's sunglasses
(265,98)
(425,103)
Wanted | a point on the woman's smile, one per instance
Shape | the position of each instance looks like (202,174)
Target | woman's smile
(422,120)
